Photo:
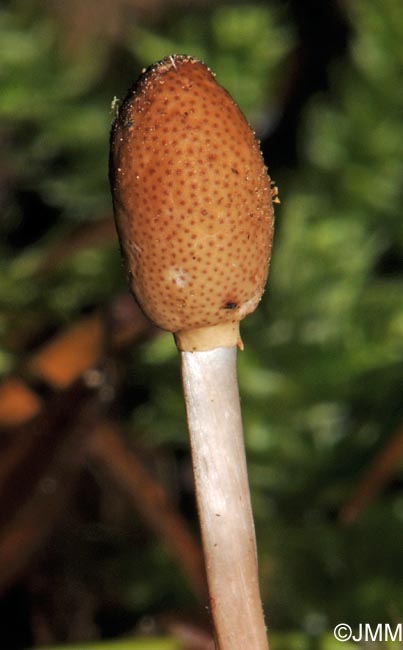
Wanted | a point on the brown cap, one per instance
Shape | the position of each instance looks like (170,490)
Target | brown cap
(193,203)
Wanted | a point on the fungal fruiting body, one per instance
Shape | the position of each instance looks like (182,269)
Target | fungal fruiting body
(194,210)
(192,202)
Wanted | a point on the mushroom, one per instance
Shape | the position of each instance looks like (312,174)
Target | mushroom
(193,208)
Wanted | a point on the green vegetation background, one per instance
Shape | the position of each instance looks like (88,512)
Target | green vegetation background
(321,375)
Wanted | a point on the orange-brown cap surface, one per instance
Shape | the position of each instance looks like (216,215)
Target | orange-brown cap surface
(193,203)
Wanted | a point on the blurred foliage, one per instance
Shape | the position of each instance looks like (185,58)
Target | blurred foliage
(130,644)
(320,377)
(241,43)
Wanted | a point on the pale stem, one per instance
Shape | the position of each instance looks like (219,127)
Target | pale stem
(223,498)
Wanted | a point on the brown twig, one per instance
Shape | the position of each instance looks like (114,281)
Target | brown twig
(108,450)
(63,359)
(374,479)
(18,403)
(24,468)
(36,489)
(84,236)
